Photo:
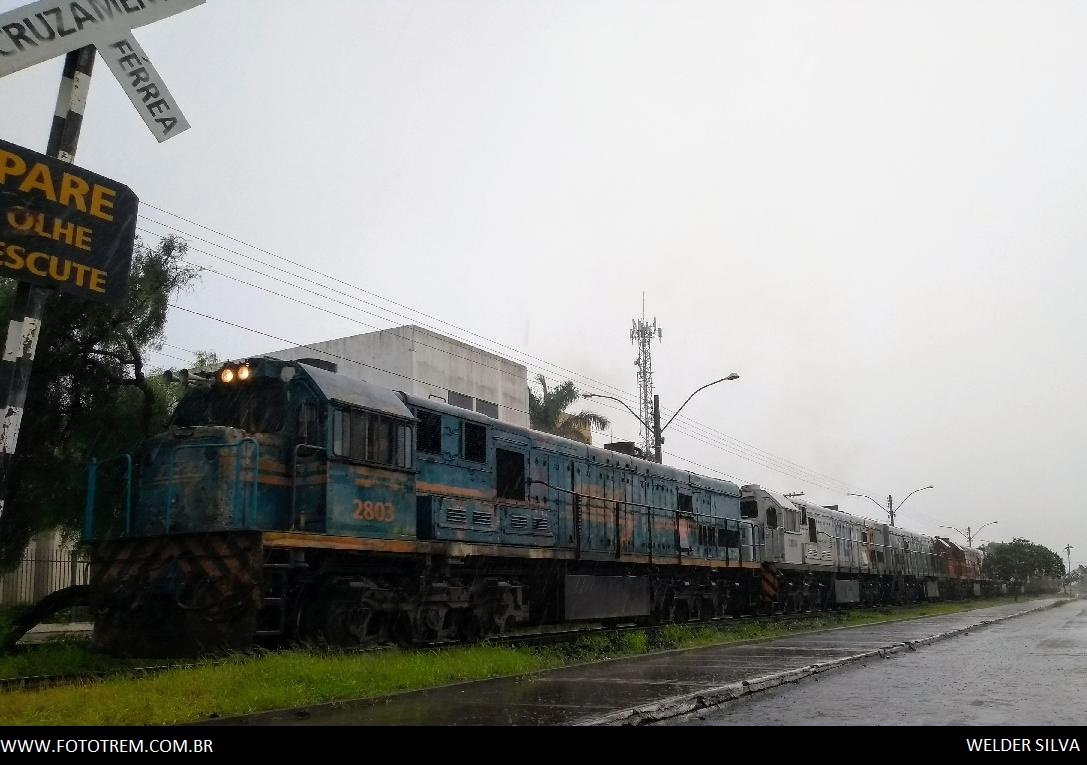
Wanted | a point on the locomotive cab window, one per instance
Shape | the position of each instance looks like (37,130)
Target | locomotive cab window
(749,508)
(473,442)
(813,533)
(430,432)
(510,468)
(257,407)
(307,428)
(771,518)
(371,437)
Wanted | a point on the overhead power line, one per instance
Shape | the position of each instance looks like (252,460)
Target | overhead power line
(742,445)
(718,438)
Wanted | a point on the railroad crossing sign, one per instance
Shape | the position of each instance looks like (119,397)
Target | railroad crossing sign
(64,227)
(49,28)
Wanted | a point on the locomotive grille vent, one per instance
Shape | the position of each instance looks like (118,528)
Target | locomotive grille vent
(481,518)
(540,524)
(518,522)
(456,515)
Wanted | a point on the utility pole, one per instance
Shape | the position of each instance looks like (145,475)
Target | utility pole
(642,334)
(1068,573)
(891,502)
(969,533)
(657,440)
(655,429)
(29,307)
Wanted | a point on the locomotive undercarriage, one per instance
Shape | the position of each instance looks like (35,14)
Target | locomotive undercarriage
(334,600)
(188,594)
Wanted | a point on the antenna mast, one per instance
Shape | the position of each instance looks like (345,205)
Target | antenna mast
(642,334)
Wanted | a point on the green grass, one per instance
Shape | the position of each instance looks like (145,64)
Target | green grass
(272,681)
(60,657)
(57,657)
(246,684)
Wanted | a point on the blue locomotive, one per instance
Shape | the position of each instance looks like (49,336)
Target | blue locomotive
(289,501)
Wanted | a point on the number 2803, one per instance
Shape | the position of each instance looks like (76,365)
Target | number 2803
(384,512)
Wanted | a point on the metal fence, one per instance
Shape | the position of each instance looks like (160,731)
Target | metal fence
(46,567)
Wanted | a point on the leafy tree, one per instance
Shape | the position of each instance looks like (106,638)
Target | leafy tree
(91,393)
(1021,560)
(206,361)
(547,412)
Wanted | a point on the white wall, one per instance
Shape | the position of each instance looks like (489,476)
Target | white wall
(426,364)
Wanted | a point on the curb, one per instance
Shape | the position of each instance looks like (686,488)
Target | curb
(675,706)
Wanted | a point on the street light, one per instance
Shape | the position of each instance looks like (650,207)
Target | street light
(656,428)
(1068,573)
(890,509)
(968,533)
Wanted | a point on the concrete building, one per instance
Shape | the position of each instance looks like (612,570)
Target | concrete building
(424,363)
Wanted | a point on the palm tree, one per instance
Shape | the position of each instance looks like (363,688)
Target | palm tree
(547,412)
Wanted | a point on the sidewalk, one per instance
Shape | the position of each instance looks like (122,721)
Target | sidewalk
(43,633)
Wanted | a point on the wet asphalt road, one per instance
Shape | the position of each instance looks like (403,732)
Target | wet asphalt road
(586,694)
(1031,670)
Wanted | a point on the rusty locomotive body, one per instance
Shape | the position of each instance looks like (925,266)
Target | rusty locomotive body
(289,501)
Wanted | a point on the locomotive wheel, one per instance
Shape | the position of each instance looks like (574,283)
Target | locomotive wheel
(345,622)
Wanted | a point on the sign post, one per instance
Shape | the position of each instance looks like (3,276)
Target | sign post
(30,35)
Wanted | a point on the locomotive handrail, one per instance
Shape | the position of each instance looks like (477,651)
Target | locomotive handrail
(92,486)
(237,476)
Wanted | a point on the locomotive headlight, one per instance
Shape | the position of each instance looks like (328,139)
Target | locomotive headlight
(227,375)
(243,372)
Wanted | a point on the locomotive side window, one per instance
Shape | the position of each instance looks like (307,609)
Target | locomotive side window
(511,474)
(473,442)
(749,508)
(430,432)
(404,451)
(379,446)
(684,503)
(370,437)
(813,534)
(349,434)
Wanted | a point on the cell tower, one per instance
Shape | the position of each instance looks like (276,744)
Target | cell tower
(642,334)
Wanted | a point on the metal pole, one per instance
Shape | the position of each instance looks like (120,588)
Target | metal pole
(891,508)
(657,440)
(1068,571)
(26,314)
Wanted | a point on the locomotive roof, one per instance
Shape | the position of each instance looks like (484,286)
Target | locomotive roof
(355,392)
(579,449)
(781,499)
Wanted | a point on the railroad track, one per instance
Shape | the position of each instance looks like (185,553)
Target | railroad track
(551,637)
(720,623)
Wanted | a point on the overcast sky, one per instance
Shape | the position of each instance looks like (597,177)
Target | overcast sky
(874,212)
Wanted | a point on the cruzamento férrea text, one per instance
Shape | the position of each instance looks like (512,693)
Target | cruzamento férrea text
(64,19)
